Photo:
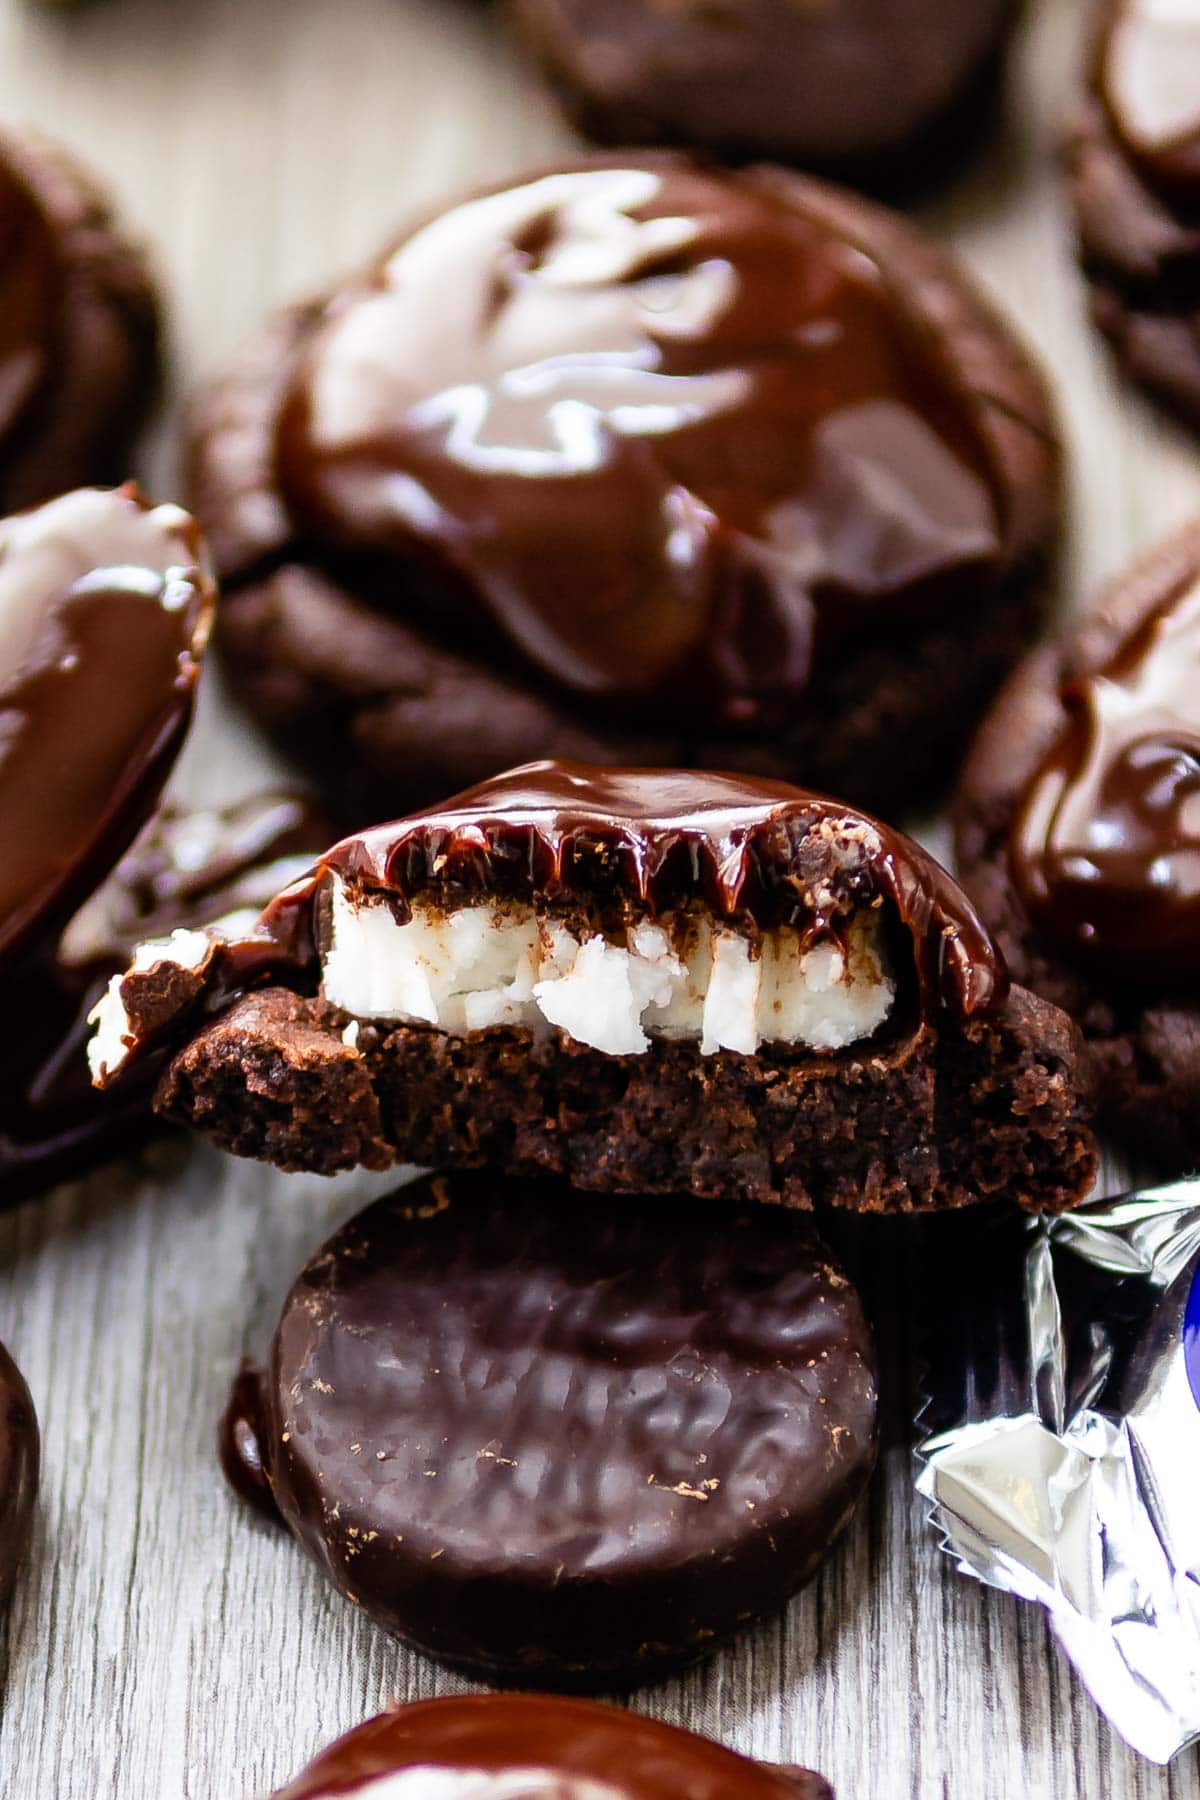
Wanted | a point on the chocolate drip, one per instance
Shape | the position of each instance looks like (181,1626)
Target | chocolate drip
(669,434)
(1147,74)
(20,1465)
(1105,846)
(240,1437)
(651,840)
(566,1748)
(104,613)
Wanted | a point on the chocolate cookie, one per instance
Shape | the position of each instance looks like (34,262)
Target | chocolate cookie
(642,980)
(527,1747)
(879,92)
(632,462)
(1077,838)
(1134,167)
(188,868)
(20,1464)
(79,328)
(562,1443)
(105,608)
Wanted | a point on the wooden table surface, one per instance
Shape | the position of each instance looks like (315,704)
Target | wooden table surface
(162,1643)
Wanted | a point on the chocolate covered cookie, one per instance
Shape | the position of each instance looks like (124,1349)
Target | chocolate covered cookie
(105,608)
(528,1747)
(79,328)
(881,92)
(189,868)
(1134,167)
(631,462)
(554,1442)
(645,981)
(20,1466)
(1078,840)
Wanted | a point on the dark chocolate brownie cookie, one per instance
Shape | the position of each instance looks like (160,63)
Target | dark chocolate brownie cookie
(877,92)
(529,1747)
(646,981)
(631,462)
(79,328)
(1078,840)
(1134,169)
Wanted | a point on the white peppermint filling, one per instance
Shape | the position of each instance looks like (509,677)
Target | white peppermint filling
(478,966)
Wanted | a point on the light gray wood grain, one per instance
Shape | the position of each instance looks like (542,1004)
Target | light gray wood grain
(163,1643)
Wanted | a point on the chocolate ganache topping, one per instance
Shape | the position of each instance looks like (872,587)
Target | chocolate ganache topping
(1148,78)
(1105,847)
(104,612)
(649,840)
(669,432)
(536,1747)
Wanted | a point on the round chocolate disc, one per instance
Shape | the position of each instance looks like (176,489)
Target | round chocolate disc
(547,1439)
(527,1747)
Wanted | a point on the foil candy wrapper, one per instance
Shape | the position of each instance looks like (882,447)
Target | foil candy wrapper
(1063,1463)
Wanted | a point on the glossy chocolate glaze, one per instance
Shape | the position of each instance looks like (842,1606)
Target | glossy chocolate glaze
(1147,73)
(553,1749)
(105,608)
(666,434)
(187,868)
(650,840)
(20,1467)
(560,1441)
(1105,845)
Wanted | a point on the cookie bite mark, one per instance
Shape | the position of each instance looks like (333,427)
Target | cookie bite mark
(640,979)
(481,966)
(534,1747)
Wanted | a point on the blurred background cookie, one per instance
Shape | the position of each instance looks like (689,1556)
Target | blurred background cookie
(1078,837)
(1134,168)
(877,92)
(79,327)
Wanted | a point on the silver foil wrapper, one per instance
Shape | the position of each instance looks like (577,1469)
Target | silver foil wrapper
(1064,1460)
